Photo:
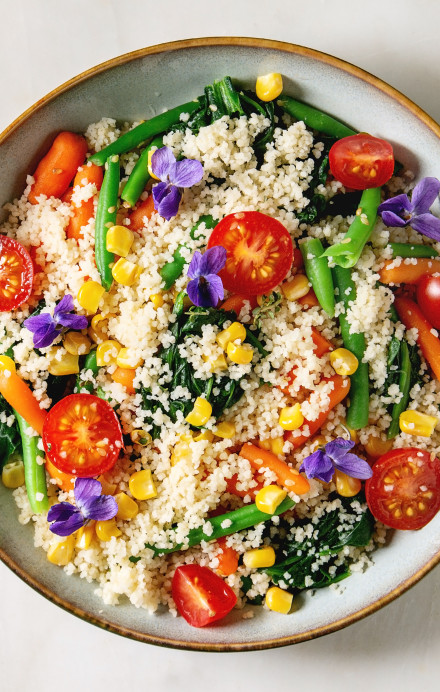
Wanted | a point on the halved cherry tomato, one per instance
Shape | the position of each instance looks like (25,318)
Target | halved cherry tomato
(16,274)
(361,161)
(201,597)
(259,252)
(428,298)
(404,490)
(82,435)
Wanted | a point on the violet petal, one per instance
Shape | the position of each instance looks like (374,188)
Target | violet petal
(338,447)
(187,172)
(44,319)
(213,260)
(72,321)
(424,195)
(66,528)
(192,290)
(102,508)
(427,224)
(61,511)
(353,466)
(391,219)
(194,269)
(169,203)
(86,490)
(65,305)
(159,192)
(214,289)
(45,336)
(396,204)
(318,465)
(163,163)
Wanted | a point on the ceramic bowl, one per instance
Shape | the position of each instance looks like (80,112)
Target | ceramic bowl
(139,85)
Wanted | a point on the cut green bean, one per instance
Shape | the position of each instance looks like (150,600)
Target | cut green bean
(143,132)
(227,524)
(347,252)
(171,271)
(319,273)
(314,118)
(105,219)
(34,473)
(358,409)
(140,175)
(404,386)
(411,250)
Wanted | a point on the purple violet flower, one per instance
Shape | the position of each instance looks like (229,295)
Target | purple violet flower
(335,455)
(90,504)
(400,211)
(174,175)
(206,288)
(46,328)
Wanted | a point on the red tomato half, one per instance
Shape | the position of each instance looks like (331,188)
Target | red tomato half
(259,252)
(404,490)
(16,274)
(428,298)
(361,161)
(82,435)
(201,597)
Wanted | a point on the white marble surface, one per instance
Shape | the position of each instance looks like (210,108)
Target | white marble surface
(45,42)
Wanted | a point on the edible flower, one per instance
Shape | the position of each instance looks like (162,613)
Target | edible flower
(174,175)
(335,455)
(206,288)
(401,211)
(46,328)
(90,504)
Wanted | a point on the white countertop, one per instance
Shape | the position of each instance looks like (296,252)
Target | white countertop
(45,42)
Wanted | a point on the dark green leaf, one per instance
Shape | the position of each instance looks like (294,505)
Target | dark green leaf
(10,439)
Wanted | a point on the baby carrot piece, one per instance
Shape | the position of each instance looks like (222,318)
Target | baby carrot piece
(237,302)
(56,170)
(144,210)
(309,300)
(408,273)
(321,346)
(63,480)
(337,394)
(227,558)
(232,487)
(288,477)
(85,211)
(411,316)
(19,395)
(125,376)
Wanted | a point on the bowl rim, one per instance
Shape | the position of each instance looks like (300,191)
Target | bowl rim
(248,42)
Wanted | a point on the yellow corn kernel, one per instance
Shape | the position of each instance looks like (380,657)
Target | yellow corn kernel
(89,296)
(279,600)
(218,363)
(61,552)
(84,536)
(317,442)
(13,474)
(344,362)
(354,437)
(232,333)
(125,359)
(376,446)
(107,488)
(98,328)
(127,507)
(150,170)
(7,363)
(157,300)
(201,412)
(125,272)
(269,498)
(269,86)
(204,435)
(182,450)
(296,288)
(106,530)
(273,444)
(259,557)
(62,363)
(141,437)
(346,485)
(291,417)
(416,423)
(241,354)
(77,344)
(107,352)
(142,485)
(119,240)
(225,429)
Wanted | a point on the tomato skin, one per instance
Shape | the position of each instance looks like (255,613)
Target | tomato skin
(259,252)
(201,597)
(15,265)
(402,479)
(82,435)
(361,161)
(428,298)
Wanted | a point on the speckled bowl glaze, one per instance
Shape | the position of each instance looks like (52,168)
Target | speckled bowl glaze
(139,85)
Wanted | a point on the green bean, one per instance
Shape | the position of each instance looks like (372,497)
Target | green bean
(410,250)
(404,386)
(347,252)
(89,364)
(106,218)
(34,473)
(319,273)
(314,118)
(358,409)
(140,175)
(171,271)
(143,132)
(227,524)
